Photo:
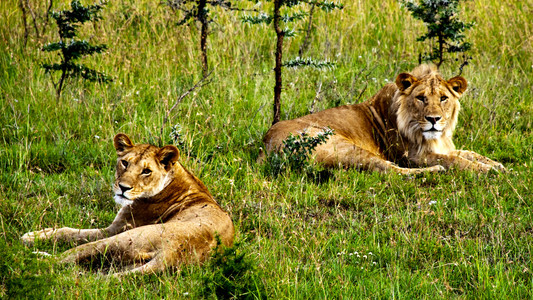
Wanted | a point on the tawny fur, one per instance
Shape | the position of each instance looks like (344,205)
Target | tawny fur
(168,216)
(407,127)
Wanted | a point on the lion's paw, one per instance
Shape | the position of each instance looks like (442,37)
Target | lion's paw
(30,237)
(436,168)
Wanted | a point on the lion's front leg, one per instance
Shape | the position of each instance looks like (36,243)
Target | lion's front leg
(451,160)
(344,153)
(65,234)
(473,156)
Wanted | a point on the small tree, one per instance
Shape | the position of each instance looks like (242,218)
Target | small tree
(445,30)
(72,49)
(277,18)
(198,10)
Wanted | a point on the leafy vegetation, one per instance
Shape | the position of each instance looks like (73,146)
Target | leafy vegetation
(444,29)
(233,275)
(296,152)
(72,49)
(449,235)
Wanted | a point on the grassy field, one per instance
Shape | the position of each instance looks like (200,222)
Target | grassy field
(343,234)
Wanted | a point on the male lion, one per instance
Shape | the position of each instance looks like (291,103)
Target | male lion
(168,217)
(409,123)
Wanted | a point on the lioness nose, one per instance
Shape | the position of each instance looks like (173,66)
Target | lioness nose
(124,188)
(433,120)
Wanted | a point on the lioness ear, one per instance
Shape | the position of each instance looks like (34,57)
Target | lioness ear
(458,84)
(404,81)
(122,142)
(167,156)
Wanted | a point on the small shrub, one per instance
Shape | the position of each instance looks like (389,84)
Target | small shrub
(232,275)
(22,274)
(295,152)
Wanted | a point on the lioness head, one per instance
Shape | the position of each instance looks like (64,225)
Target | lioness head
(142,170)
(427,105)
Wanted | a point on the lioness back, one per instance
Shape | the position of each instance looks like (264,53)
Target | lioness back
(406,127)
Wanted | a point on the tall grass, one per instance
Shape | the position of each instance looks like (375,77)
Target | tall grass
(456,234)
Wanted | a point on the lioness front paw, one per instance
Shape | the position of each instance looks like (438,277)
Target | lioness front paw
(482,167)
(30,237)
(498,167)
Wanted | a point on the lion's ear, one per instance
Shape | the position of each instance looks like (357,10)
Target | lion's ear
(122,142)
(404,81)
(167,156)
(458,84)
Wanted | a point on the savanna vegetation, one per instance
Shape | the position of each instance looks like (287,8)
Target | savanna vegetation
(307,233)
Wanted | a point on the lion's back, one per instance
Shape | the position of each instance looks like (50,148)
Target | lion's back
(349,121)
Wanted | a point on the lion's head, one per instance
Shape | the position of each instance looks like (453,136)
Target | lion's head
(142,170)
(426,105)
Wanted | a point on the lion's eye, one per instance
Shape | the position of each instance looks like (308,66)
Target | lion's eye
(146,172)
(421,98)
(443,98)
(124,163)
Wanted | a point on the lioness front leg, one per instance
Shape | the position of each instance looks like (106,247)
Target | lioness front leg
(79,236)
(150,248)
(65,234)
(473,156)
(133,247)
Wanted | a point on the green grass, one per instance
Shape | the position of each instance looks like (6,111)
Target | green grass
(450,235)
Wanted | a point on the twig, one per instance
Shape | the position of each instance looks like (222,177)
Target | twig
(317,96)
(37,33)
(516,192)
(47,16)
(202,82)
(361,94)
(305,43)
(253,118)
(366,83)
(351,91)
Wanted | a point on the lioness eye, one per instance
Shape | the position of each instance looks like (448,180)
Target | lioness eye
(124,163)
(146,171)
(443,98)
(421,98)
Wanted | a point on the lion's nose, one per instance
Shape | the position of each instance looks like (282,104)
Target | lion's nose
(432,120)
(124,188)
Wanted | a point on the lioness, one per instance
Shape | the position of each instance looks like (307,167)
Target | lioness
(409,123)
(168,217)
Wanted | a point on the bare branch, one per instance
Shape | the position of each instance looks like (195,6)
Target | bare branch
(24,19)
(34,18)
(305,43)
(202,82)
(47,16)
